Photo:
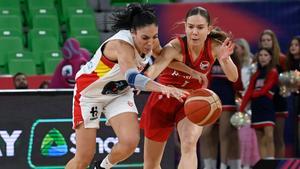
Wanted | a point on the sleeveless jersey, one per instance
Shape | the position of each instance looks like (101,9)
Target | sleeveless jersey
(202,64)
(93,76)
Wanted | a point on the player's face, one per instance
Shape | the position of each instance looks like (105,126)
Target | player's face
(266,41)
(295,48)
(145,38)
(264,58)
(197,29)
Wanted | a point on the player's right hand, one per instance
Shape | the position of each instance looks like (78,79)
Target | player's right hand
(179,94)
(201,77)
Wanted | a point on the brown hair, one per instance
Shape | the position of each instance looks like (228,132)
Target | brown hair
(275,47)
(216,33)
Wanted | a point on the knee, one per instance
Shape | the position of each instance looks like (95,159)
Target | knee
(129,143)
(188,146)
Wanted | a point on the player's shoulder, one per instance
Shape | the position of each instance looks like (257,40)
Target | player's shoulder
(117,44)
(274,71)
(175,44)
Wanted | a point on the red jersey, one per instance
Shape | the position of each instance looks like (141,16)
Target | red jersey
(202,64)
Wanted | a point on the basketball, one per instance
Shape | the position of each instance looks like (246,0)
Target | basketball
(203,107)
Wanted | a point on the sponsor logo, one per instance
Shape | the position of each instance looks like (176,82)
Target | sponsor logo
(54,144)
(204,65)
(94,113)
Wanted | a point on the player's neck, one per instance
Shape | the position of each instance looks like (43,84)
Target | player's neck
(195,49)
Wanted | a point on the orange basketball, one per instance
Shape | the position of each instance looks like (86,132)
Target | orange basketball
(203,107)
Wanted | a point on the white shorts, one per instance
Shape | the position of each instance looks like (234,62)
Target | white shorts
(89,112)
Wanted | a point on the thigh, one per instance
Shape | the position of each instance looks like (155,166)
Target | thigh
(125,125)
(85,142)
(225,125)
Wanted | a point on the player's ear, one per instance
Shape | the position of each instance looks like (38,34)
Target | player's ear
(210,28)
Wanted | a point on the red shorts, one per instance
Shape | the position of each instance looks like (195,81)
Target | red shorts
(160,116)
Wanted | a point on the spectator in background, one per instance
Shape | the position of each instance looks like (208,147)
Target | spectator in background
(20,81)
(245,57)
(260,92)
(74,58)
(248,140)
(269,41)
(293,60)
(44,84)
(227,134)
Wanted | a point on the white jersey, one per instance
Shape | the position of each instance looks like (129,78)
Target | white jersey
(102,70)
(88,100)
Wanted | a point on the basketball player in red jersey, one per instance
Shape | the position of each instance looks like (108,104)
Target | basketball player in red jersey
(198,50)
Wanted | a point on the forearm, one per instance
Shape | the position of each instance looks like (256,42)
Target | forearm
(229,69)
(154,86)
(181,67)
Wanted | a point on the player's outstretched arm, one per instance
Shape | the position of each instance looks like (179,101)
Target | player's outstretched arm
(126,60)
(223,53)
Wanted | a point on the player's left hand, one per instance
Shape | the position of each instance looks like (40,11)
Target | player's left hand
(226,49)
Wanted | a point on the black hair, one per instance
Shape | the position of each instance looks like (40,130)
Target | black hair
(18,74)
(216,33)
(133,17)
(291,62)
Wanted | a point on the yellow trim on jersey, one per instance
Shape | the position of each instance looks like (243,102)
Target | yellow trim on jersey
(102,69)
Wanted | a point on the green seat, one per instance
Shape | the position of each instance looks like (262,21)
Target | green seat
(11,22)
(78,11)
(41,12)
(12,33)
(7,45)
(64,5)
(41,45)
(46,22)
(82,22)
(40,33)
(41,42)
(22,54)
(26,66)
(10,11)
(10,4)
(88,39)
(34,4)
(51,60)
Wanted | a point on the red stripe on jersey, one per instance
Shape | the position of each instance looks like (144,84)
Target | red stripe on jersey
(261,125)
(107,62)
(81,83)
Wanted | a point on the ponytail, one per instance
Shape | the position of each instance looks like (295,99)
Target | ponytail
(218,35)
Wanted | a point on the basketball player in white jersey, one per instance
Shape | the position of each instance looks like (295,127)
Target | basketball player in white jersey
(103,85)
